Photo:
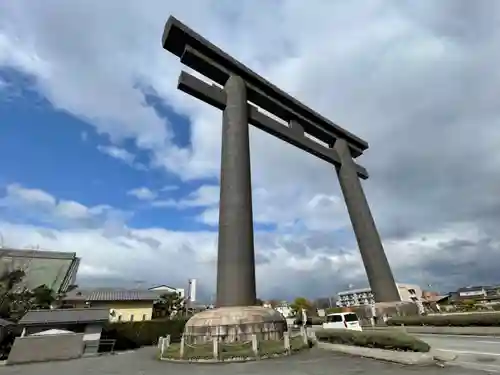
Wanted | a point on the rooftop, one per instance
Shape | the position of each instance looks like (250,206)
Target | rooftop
(85,315)
(33,253)
(107,294)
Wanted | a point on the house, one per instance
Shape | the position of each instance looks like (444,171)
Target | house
(478,293)
(86,321)
(162,289)
(123,304)
(54,269)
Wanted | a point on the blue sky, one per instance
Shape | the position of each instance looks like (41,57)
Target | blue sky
(54,151)
(100,153)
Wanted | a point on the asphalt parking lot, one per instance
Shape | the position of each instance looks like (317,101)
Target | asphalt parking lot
(313,362)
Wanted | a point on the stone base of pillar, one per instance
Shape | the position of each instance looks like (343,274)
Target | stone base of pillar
(233,324)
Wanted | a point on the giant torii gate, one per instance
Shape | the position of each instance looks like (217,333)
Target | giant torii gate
(242,90)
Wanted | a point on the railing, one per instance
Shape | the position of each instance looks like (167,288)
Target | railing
(217,349)
(100,346)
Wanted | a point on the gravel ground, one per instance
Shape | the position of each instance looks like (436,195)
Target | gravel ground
(313,362)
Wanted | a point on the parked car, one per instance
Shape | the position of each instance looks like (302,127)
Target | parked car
(344,320)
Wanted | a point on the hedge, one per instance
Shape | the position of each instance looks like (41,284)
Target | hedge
(458,320)
(311,320)
(133,335)
(398,341)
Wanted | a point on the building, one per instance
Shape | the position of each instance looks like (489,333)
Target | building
(90,322)
(123,305)
(478,293)
(163,289)
(56,270)
(358,297)
(283,307)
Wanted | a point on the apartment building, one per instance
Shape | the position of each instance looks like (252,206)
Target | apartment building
(364,296)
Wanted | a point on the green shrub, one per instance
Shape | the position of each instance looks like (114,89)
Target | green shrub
(373,339)
(311,320)
(334,310)
(132,335)
(316,320)
(458,320)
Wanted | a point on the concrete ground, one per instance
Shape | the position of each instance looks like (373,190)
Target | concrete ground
(474,352)
(313,362)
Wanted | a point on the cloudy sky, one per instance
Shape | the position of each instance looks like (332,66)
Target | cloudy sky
(100,154)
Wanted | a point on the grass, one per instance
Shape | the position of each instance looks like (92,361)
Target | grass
(236,350)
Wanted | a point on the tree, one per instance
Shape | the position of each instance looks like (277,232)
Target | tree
(42,297)
(15,300)
(301,303)
(259,302)
(274,303)
(8,282)
(168,304)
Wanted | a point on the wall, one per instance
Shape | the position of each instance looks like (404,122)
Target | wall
(46,348)
(91,337)
(406,296)
(127,310)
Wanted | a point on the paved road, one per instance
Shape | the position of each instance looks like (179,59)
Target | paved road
(476,352)
(313,362)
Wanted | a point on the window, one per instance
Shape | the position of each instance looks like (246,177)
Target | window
(144,316)
(132,317)
(351,318)
(119,318)
(412,291)
(333,318)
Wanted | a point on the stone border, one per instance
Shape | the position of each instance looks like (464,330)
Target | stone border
(406,358)
(231,360)
(444,330)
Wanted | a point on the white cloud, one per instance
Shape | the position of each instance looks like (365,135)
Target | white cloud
(143,193)
(38,204)
(123,155)
(16,194)
(117,153)
(204,196)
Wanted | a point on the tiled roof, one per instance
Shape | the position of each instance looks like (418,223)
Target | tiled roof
(84,315)
(112,295)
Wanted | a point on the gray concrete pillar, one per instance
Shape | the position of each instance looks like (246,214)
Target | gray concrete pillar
(372,252)
(236,259)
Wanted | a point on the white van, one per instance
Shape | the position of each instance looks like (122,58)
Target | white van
(345,320)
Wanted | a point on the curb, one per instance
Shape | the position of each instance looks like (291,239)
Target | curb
(431,330)
(228,360)
(406,358)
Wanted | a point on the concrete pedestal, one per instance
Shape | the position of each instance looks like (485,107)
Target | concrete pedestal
(232,324)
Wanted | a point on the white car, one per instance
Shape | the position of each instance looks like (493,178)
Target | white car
(345,320)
